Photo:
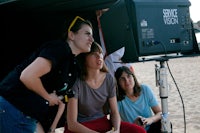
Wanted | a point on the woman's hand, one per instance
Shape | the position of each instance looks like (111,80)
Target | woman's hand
(53,99)
(139,121)
(147,121)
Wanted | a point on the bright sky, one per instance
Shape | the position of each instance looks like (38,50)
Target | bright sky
(194,14)
(195,10)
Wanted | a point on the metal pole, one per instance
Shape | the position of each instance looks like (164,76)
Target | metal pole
(161,81)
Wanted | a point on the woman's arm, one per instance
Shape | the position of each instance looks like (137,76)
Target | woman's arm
(115,117)
(61,108)
(31,78)
(157,111)
(154,118)
(72,113)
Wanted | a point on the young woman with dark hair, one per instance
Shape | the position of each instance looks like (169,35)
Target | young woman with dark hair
(136,102)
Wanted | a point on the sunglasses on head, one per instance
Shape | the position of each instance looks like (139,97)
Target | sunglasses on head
(74,21)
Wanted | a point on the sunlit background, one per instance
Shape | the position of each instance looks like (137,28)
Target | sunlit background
(194,10)
(194,13)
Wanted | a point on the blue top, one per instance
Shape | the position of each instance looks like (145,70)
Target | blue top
(129,110)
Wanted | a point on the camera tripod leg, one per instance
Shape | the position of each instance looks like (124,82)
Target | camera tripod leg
(161,81)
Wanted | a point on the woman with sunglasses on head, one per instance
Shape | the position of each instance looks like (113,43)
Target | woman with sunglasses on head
(95,91)
(26,92)
(136,102)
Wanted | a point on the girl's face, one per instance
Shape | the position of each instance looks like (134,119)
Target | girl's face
(126,81)
(94,60)
(83,39)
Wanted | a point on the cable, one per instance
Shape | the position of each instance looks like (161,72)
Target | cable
(179,95)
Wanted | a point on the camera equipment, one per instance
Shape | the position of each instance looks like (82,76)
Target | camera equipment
(161,81)
(149,29)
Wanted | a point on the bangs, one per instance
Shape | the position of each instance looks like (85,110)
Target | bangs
(96,48)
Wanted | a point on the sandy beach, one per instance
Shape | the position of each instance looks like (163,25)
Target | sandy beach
(186,72)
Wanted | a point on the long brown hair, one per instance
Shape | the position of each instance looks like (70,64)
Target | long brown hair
(120,92)
(82,60)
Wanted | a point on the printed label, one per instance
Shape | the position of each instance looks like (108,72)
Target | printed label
(170,16)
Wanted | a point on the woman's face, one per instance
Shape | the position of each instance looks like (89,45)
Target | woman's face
(126,81)
(83,39)
(94,60)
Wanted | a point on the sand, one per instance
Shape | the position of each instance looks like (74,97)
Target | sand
(186,72)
